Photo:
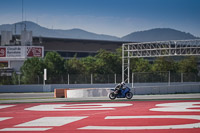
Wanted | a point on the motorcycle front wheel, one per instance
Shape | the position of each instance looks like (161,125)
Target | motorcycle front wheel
(112,96)
(129,95)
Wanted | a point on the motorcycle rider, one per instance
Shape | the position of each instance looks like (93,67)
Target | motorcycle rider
(119,87)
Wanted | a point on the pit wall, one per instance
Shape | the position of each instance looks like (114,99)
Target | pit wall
(139,89)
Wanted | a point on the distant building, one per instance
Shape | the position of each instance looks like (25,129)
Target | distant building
(68,48)
(17,49)
(14,50)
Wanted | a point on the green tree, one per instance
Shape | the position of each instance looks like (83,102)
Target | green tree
(74,66)
(164,64)
(140,65)
(118,57)
(77,70)
(54,64)
(89,64)
(15,78)
(32,70)
(107,62)
(188,65)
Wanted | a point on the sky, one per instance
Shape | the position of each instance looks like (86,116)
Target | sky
(111,17)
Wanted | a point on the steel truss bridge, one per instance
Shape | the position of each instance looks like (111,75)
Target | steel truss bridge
(156,49)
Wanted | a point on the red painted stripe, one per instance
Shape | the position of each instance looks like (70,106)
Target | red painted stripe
(20,117)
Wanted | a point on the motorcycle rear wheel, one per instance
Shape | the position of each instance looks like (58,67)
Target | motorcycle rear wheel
(112,96)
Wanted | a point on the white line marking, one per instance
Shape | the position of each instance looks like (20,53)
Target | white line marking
(24,129)
(51,121)
(196,117)
(77,107)
(178,107)
(182,126)
(4,118)
(5,106)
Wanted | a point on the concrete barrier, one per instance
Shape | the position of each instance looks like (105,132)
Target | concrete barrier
(102,89)
(59,93)
(24,88)
(89,92)
(172,89)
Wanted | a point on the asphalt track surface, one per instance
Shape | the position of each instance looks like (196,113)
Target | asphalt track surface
(178,113)
(174,116)
(48,97)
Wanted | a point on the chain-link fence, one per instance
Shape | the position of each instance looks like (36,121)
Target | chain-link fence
(150,77)
(64,79)
(161,77)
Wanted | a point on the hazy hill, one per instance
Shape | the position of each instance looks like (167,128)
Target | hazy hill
(45,32)
(158,34)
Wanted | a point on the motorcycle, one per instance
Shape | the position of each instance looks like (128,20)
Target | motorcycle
(123,93)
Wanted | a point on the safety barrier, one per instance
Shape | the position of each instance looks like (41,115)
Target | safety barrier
(60,93)
(102,89)
(88,92)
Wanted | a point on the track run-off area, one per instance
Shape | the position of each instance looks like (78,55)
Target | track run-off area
(174,116)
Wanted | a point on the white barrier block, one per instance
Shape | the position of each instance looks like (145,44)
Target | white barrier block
(88,92)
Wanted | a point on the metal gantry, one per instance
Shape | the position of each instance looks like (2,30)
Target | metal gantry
(156,49)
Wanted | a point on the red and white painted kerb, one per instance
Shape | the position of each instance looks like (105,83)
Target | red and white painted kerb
(138,116)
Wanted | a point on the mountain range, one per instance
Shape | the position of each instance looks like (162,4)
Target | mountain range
(157,34)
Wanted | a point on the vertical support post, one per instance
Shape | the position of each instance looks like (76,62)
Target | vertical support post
(115,78)
(108,78)
(128,65)
(38,79)
(62,80)
(169,79)
(91,78)
(132,79)
(19,78)
(181,77)
(175,53)
(45,75)
(123,62)
(68,79)
(9,64)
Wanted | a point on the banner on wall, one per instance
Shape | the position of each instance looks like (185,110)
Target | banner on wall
(34,51)
(2,52)
(21,51)
(15,51)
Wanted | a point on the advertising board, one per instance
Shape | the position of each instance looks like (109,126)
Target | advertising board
(2,52)
(16,52)
(34,51)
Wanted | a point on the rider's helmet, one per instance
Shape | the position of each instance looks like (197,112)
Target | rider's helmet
(122,83)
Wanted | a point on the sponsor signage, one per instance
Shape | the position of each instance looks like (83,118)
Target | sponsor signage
(14,51)
(34,51)
(21,51)
(2,52)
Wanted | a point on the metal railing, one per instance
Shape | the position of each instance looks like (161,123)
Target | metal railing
(147,77)
(64,79)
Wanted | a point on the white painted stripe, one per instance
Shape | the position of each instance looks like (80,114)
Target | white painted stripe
(178,107)
(196,117)
(51,121)
(182,126)
(5,106)
(4,118)
(24,129)
(77,107)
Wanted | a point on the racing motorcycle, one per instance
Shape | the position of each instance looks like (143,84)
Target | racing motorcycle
(122,93)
